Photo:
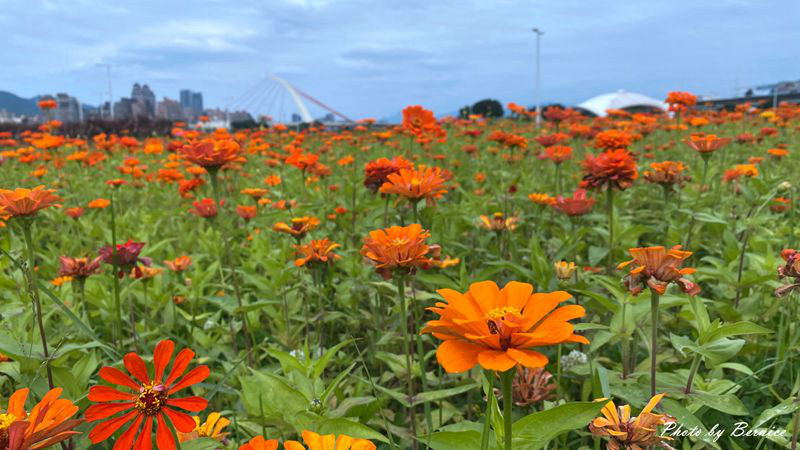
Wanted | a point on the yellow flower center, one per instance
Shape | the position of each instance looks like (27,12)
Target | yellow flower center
(500,313)
(398,242)
(151,399)
(415,182)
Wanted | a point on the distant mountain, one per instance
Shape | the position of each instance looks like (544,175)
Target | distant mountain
(18,105)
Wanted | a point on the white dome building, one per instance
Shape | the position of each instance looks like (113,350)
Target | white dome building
(629,101)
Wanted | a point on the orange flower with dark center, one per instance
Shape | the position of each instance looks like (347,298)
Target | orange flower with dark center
(26,202)
(497,328)
(376,172)
(612,140)
(179,264)
(303,161)
(610,169)
(78,267)
(706,143)
(657,268)
(397,248)
(146,400)
(498,222)
(418,120)
(48,423)
(316,252)
(778,152)
(211,153)
(666,173)
(747,170)
(299,227)
(626,432)
(558,153)
(425,183)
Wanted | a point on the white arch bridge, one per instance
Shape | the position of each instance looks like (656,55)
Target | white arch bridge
(281,102)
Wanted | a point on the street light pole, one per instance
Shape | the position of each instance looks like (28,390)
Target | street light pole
(539,34)
(110,95)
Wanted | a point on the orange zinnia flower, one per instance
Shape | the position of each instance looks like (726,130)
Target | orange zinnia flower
(397,248)
(376,172)
(316,252)
(707,143)
(558,153)
(427,183)
(205,208)
(613,168)
(246,212)
(313,440)
(658,268)
(778,152)
(418,120)
(100,203)
(497,328)
(179,264)
(211,153)
(26,202)
(47,425)
(541,198)
(299,228)
(666,173)
(149,401)
(626,432)
(612,140)
(577,205)
(498,222)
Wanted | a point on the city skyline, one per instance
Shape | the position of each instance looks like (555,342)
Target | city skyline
(441,55)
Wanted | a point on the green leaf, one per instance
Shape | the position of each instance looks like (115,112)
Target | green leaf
(201,444)
(727,403)
(454,440)
(733,329)
(348,427)
(323,362)
(687,419)
(536,430)
(432,396)
(787,406)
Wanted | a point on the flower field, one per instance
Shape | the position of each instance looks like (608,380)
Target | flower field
(620,282)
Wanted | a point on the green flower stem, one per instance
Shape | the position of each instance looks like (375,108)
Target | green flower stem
(401,293)
(213,172)
(654,298)
(692,372)
(610,213)
(507,379)
(488,415)
(33,289)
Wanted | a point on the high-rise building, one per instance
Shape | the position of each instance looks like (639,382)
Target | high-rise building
(67,109)
(144,101)
(169,109)
(197,103)
(123,109)
(186,99)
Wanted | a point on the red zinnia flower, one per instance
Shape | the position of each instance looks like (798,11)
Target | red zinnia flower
(577,205)
(150,400)
(613,168)
(205,208)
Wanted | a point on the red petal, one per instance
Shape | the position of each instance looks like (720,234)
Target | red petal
(107,394)
(136,367)
(161,357)
(194,376)
(180,365)
(164,439)
(125,442)
(145,441)
(193,404)
(104,410)
(183,422)
(117,376)
(104,430)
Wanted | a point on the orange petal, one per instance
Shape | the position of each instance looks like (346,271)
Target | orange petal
(527,358)
(457,356)
(496,360)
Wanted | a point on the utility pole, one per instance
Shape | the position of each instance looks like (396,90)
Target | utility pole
(539,34)
(110,95)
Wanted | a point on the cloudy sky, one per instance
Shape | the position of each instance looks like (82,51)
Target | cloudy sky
(370,58)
